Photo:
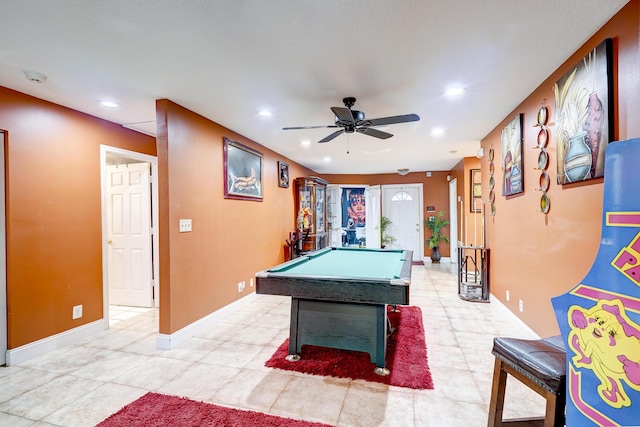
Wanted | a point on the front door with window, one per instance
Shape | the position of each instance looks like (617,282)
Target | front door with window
(402,204)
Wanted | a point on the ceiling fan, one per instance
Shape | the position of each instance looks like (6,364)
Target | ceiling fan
(354,121)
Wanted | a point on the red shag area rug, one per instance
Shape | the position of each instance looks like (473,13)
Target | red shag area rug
(406,356)
(159,410)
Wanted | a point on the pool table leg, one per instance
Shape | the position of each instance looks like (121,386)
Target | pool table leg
(381,340)
(293,332)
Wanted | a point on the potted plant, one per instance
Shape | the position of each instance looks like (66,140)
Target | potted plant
(436,224)
(385,237)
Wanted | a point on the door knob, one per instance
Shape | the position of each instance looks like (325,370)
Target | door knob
(109,242)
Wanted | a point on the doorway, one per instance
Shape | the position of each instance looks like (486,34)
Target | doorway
(402,204)
(129,223)
(453,220)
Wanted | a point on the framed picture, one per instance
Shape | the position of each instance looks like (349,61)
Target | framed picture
(476,190)
(283,174)
(242,172)
(511,141)
(584,116)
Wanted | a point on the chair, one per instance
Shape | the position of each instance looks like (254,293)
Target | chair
(539,364)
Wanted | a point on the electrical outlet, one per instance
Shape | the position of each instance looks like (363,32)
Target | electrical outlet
(77,312)
(240,286)
(520,306)
(185,225)
(507,295)
(251,282)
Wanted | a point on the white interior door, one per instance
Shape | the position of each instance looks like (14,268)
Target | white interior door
(372,195)
(130,269)
(334,216)
(3,261)
(402,204)
(453,220)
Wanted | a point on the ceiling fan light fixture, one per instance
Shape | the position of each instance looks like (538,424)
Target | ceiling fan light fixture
(403,171)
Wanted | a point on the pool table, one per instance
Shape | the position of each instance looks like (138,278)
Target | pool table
(339,297)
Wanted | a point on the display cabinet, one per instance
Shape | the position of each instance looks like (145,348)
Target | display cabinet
(473,273)
(311,212)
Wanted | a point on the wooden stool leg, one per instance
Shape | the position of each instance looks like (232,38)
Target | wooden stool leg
(550,412)
(554,415)
(498,389)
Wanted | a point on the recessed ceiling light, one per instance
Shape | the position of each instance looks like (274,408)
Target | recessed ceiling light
(305,142)
(437,131)
(327,159)
(454,91)
(109,104)
(265,113)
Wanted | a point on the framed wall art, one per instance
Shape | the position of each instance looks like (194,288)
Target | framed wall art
(584,116)
(511,141)
(476,190)
(242,172)
(283,174)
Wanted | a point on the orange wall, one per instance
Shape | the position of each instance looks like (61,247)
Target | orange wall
(537,257)
(54,226)
(435,192)
(231,239)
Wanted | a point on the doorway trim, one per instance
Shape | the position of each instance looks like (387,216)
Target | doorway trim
(453,220)
(4,332)
(140,157)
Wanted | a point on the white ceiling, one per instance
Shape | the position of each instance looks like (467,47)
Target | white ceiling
(228,59)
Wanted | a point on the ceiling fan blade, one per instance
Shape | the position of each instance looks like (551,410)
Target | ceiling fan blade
(374,132)
(332,136)
(343,114)
(393,120)
(309,127)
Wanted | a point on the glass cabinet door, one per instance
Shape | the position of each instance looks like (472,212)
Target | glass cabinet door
(320,207)
(305,199)
(311,214)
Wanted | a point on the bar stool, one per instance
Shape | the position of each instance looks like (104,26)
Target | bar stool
(540,365)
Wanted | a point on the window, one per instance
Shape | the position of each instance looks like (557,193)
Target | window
(401,196)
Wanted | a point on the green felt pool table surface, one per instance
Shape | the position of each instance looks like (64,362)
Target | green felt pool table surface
(347,262)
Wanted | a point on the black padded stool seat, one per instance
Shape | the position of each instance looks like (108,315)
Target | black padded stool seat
(539,364)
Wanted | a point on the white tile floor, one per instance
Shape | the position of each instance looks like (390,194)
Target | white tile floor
(80,385)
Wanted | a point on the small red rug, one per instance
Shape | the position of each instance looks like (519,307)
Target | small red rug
(159,410)
(406,356)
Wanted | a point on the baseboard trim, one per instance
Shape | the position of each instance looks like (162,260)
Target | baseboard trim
(171,341)
(164,342)
(443,260)
(516,319)
(37,348)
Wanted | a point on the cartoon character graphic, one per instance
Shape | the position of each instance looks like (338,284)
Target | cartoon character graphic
(607,342)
